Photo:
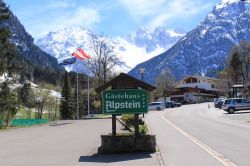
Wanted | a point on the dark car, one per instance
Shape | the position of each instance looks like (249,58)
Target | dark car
(172,104)
(169,104)
(177,104)
(219,104)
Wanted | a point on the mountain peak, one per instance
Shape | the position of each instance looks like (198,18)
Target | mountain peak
(225,3)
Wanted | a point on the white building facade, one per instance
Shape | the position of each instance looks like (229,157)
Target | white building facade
(193,89)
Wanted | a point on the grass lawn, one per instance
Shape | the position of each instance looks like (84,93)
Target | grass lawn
(30,114)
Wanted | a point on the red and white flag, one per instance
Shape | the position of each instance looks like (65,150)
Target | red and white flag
(80,54)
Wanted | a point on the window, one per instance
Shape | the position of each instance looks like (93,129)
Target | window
(227,101)
(212,86)
(191,80)
(238,100)
(155,104)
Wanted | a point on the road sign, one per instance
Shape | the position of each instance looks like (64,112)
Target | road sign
(127,101)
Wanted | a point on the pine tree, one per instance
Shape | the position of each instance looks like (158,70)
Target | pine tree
(8,104)
(235,66)
(8,99)
(26,95)
(66,110)
(7,49)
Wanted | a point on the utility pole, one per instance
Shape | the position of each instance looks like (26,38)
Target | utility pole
(88,90)
(88,95)
(77,98)
(142,70)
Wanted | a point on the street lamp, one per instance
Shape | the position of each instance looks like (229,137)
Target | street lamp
(142,70)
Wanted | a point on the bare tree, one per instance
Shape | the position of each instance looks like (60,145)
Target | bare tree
(42,97)
(239,62)
(244,51)
(164,83)
(238,66)
(104,59)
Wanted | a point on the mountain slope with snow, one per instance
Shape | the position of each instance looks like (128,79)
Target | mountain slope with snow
(135,48)
(204,49)
(30,61)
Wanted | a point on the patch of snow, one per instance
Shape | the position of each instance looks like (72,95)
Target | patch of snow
(225,3)
(2,79)
(211,17)
(55,94)
(174,34)
(33,85)
(135,55)
(203,32)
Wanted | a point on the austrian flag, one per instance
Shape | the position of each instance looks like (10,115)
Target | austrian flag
(80,54)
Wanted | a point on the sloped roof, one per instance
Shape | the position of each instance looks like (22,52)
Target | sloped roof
(200,77)
(122,82)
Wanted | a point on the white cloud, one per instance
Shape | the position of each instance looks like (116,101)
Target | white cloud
(161,11)
(61,4)
(179,9)
(79,16)
(139,8)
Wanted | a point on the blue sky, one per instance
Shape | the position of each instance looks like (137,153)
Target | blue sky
(110,17)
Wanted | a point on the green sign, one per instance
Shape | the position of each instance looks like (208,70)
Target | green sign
(127,101)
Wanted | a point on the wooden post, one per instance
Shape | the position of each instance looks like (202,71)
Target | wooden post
(113,125)
(136,124)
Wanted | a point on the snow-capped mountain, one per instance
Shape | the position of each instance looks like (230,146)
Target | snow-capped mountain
(135,48)
(203,50)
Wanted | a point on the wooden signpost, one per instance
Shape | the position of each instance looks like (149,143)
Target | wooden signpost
(125,95)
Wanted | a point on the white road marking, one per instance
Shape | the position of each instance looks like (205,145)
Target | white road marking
(219,157)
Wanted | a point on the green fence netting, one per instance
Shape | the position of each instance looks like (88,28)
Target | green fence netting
(28,122)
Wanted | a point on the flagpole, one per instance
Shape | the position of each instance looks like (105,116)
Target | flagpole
(80,54)
(88,88)
(77,98)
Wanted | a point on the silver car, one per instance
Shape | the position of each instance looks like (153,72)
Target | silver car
(235,104)
(156,106)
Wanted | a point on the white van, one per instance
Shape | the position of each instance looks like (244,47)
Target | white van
(156,106)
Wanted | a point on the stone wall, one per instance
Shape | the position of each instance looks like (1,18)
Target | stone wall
(127,144)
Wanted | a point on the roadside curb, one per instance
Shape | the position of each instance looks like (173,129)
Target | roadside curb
(158,152)
(97,118)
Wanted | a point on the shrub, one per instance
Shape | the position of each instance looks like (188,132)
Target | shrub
(143,129)
(128,119)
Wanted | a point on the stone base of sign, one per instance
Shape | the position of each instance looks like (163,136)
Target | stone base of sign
(127,144)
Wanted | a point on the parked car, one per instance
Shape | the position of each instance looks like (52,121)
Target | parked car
(156,106)
(177,104)
(219,103)
(235,104)
(172,104)
(169,104)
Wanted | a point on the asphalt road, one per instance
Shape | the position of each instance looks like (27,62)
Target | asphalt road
(64,143)
(194,135)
